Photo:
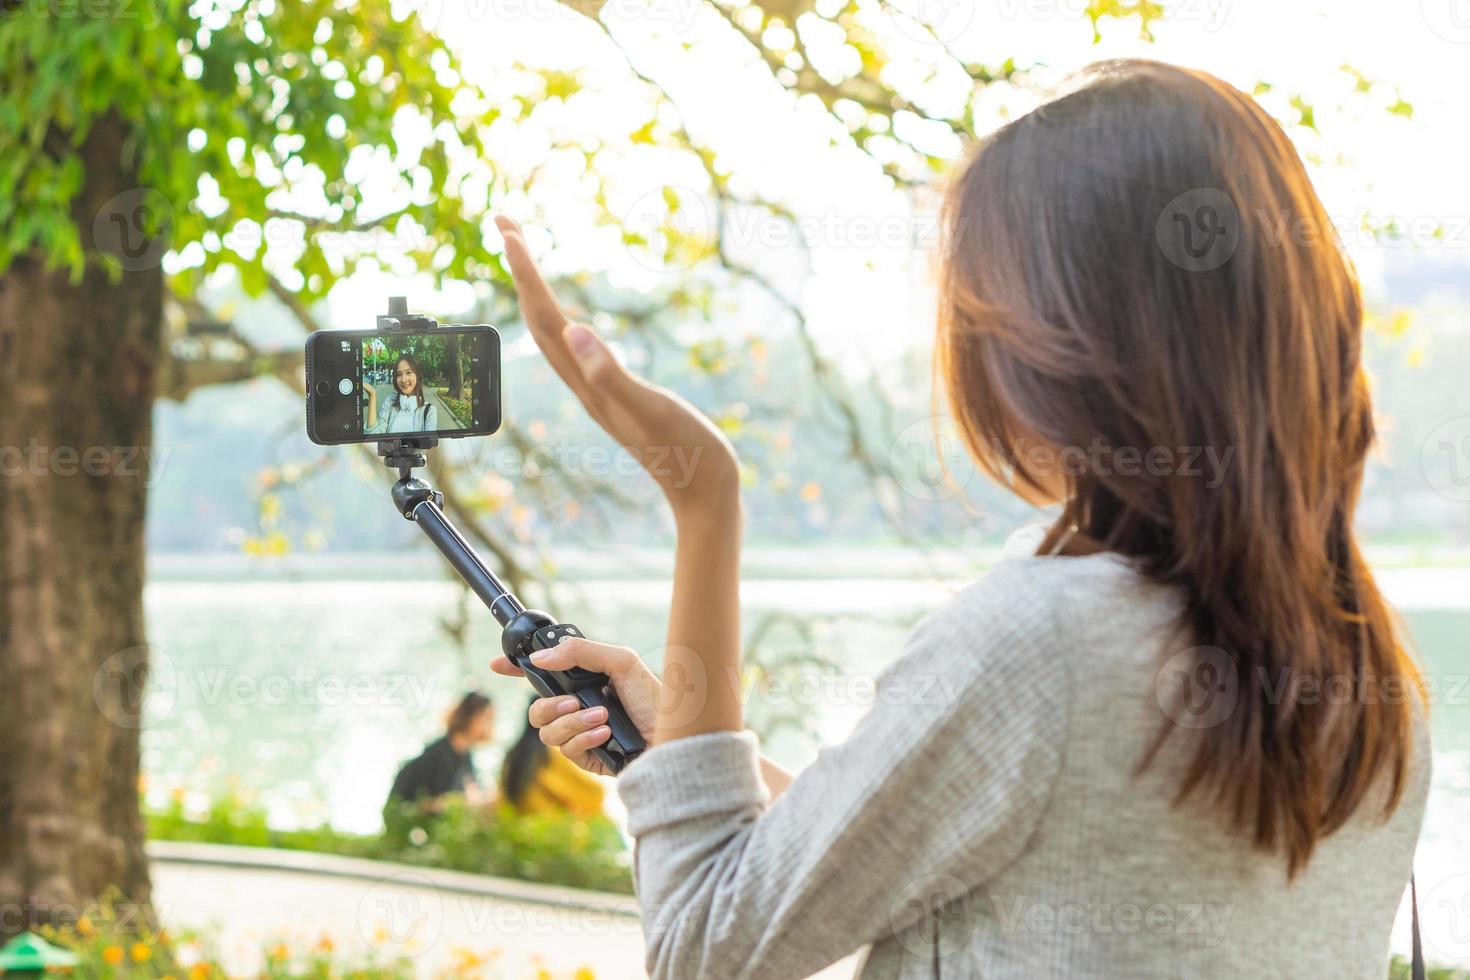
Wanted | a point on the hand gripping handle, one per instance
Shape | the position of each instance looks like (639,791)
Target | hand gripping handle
(533,630)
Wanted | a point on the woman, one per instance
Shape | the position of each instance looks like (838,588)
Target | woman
(444,767)
(534,779)
(407,409)
(1181,738)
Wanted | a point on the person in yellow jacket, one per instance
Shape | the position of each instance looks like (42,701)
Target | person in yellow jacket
(534,779)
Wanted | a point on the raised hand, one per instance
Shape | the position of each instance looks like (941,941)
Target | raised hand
(690,459)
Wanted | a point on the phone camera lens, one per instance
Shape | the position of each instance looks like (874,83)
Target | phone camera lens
(345,386)
(323,388)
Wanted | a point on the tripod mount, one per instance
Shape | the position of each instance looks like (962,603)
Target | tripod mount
(524,631)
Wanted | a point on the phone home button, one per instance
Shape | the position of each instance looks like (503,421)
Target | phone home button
(345,386)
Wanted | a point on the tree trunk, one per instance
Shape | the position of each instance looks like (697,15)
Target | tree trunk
(75,450)
(453,368)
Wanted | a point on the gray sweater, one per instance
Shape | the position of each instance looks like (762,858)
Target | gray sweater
(984,819)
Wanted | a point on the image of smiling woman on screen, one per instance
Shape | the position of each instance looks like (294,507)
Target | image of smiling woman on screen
(407,409)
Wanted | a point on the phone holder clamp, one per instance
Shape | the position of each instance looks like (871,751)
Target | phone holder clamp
(398,318)
(406,455)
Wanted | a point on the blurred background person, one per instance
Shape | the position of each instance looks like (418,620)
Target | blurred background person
(445,767)
(533,779)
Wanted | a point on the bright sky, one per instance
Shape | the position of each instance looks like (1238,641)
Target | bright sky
(863,286)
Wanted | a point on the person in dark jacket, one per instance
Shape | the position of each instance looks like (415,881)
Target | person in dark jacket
(444,766)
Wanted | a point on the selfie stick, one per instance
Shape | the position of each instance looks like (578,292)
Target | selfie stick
(524,630)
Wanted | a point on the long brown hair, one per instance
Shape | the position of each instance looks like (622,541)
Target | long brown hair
(1142,266)
(464,713)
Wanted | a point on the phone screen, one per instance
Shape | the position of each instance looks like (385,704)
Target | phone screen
(366,386)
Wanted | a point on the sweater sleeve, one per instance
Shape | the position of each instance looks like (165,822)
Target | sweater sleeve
(940,787)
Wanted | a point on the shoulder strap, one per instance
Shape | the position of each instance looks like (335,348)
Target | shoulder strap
(1416,969)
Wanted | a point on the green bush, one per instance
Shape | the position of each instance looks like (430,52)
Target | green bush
(1398,969)
(554,850)
(461,407)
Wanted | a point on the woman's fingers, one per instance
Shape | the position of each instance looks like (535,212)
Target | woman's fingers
(643,417)
(539,306)
(581,744)
(626,405)
(544,711)
(622,403)
(562,731)
(563,724)
(502,665)
(588,654)
(578,355)
(538,302)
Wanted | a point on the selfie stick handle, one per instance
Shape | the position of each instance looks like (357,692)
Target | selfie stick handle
(525,630)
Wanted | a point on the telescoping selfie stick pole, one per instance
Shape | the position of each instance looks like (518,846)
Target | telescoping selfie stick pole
(524,630)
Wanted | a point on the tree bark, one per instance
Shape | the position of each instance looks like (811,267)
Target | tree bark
(80,361)
(453,368)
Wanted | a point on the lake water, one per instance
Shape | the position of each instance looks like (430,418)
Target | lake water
(302,687)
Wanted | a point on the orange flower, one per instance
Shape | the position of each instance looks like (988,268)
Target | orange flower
(112,955)
(584,973)
(84,926)
(465,959)
(141,953)
(198,971)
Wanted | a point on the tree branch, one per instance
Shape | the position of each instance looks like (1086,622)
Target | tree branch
(828,379)
(316,223)
(181,375)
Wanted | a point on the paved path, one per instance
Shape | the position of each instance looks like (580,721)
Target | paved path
(251,898)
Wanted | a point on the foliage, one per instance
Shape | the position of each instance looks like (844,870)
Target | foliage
(461,407)
(550,849)
(240,109)
(432,352)
(1400,969)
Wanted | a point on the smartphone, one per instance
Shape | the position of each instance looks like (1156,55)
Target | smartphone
(367,385)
